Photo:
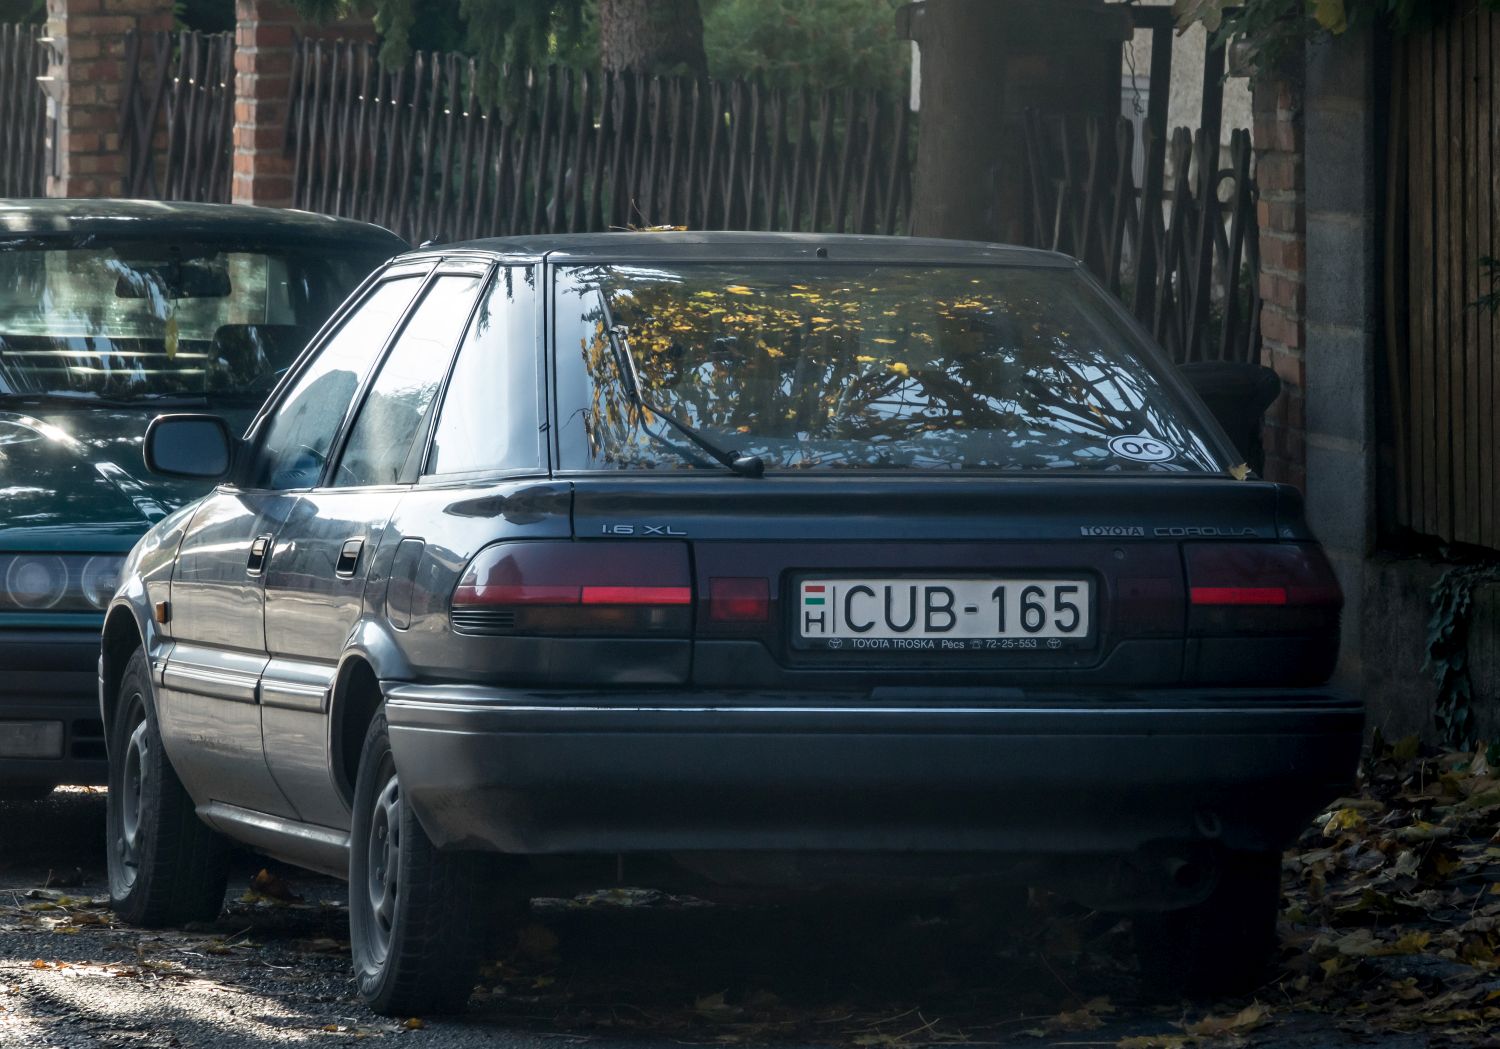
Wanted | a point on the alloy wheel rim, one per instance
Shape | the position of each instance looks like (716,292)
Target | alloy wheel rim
(384,863)
(132,790)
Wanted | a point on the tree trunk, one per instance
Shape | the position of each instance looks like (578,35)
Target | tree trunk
(652,36)
(983,64)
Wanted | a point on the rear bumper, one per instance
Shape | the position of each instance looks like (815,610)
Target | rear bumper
(537,772)
(50,731)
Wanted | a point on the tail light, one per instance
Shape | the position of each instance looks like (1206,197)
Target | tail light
(737,599)
(1262,588)
(568,588)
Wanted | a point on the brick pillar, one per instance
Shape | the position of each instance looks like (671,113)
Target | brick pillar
(1279,152)
(87,83)
(266,35)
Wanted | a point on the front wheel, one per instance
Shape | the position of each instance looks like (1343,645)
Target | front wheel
(166,867)
(420,920)
(1222,946)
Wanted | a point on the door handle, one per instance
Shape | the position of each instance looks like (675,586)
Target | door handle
(348,562)
(260,549)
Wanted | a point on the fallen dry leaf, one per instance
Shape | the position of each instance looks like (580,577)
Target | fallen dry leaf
(1256,1014)
(273,887)
(1154,1041)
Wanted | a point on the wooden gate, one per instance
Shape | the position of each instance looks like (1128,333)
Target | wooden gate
(1176,237)
(1442,219)
(23,111)
(177,115)
(414,149)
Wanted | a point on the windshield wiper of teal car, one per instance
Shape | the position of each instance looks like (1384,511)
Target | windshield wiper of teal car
(619,342)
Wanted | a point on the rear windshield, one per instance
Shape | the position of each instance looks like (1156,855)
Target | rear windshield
(850,367)
(161,320)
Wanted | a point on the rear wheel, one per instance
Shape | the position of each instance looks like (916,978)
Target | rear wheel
(420,920)
(1222,946)
(166,866)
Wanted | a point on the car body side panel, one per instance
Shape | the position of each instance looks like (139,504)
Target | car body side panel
(312,609)
(208,705)
(145,580)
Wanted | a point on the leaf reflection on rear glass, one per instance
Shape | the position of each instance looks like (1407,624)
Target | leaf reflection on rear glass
(867,367)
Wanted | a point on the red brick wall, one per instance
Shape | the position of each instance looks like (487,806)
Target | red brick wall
(266,34)
(89,85)
(1278,135)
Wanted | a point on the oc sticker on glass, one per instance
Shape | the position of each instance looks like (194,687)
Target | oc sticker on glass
(1142,448)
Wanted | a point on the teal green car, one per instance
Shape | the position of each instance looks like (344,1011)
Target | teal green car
(110,313)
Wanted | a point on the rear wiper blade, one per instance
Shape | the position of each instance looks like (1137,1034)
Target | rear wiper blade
(619,342)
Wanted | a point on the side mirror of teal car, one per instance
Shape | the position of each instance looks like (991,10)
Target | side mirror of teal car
(197,446)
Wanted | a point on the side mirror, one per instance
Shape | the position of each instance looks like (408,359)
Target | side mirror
(188,446)
(1238,396)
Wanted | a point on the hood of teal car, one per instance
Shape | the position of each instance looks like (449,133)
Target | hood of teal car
(74,480)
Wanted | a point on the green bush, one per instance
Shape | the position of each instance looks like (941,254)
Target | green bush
(23,10)
(813,43)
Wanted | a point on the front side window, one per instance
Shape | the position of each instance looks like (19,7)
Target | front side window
(306,421)
(488,420)
(150,320)
(860,366)
(392,415)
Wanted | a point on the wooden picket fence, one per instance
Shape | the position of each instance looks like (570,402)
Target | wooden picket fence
(414,149)
(1441,381)
(1175,236)
(177,115)
(1182,249)
(23,111)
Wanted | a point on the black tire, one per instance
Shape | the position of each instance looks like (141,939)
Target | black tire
(166,867)
(416,947)
(1221,947)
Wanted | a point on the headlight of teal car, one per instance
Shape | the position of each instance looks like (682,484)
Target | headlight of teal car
(58,582)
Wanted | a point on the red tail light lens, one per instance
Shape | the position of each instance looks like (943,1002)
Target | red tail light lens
(1237,588)
(739,600)
(1239,595)
(637,595)
(568,588)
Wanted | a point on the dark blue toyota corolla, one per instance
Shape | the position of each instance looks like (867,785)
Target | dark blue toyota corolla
(787,560)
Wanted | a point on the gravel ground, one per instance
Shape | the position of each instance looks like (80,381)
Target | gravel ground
(626,968)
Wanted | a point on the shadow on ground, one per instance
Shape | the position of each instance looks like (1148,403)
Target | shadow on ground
(621,967)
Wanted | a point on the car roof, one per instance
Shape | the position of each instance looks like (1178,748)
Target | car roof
(41,217)
(724,245)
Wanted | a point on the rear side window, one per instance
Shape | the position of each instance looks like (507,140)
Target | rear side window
(392,415)
(489,416)
(307,420)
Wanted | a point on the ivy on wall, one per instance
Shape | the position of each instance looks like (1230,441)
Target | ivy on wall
(1452,601)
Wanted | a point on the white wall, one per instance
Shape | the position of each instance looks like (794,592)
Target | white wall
(1187,80)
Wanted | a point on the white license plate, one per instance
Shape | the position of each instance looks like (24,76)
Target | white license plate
(31,739)
(860,612)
